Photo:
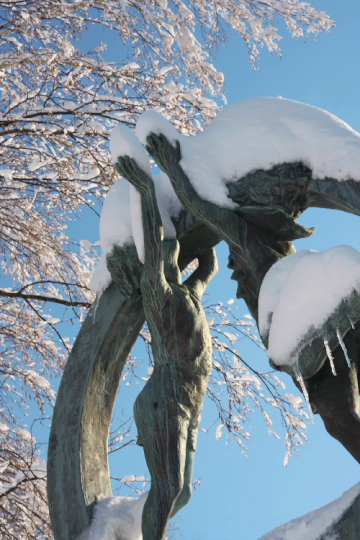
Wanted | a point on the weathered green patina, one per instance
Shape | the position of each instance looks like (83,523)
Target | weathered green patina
(78,471)
(168,410)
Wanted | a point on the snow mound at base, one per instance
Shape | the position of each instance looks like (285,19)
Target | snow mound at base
(116,518)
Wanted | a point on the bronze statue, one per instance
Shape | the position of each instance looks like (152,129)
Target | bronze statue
(168,410)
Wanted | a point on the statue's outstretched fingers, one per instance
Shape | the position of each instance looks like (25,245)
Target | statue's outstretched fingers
(121,166)
(152,142)
(164,153)
(153,148)
(129,169)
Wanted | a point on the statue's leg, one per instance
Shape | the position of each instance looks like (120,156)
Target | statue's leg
(163,434)
(336,398)
(186,492)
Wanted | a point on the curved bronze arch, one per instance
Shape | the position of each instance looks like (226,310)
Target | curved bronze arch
(78,470)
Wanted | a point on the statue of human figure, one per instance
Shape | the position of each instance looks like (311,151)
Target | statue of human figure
(168,410)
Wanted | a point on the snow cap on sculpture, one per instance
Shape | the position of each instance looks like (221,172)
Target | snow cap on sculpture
(308,302)
(320,523)
(119,223)
(286,131)
(168,203)
(123,142)
(121,217)
(155,122)
(115,229)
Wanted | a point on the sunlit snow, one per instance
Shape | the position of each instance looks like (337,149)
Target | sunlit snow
(115,229)
(315,524)
(116,518)
(123,142)
(256,134)
(121,217)
(301,292)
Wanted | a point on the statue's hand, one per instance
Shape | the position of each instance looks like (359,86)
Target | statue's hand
(129,169)
(163,152)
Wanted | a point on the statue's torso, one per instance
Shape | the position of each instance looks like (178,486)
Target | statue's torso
(179,330)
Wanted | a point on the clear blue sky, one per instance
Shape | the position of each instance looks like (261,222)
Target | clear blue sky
(243,498)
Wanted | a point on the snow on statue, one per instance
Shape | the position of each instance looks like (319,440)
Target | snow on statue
(116,518)
(258,133)
(300,300)
(121,221)
(319,524)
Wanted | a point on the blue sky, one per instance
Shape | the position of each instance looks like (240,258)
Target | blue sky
(243,498)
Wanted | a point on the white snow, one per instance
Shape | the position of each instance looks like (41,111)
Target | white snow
(115,222)
(87,176)
(152,121)
(35,379)
(259,133)
(121,217)
(116,518)
(316,523)
(302,291)
(35,165)
(168,203)
(123,142)
(136,222)
(101,278)
(115,229)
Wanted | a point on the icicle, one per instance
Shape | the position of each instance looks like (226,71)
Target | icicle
(94,308)
(352,324)
(330,356)
(300,380)
(343,346)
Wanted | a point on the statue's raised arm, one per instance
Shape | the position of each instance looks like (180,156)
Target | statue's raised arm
(266,160)
(239,235)
(168,410)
